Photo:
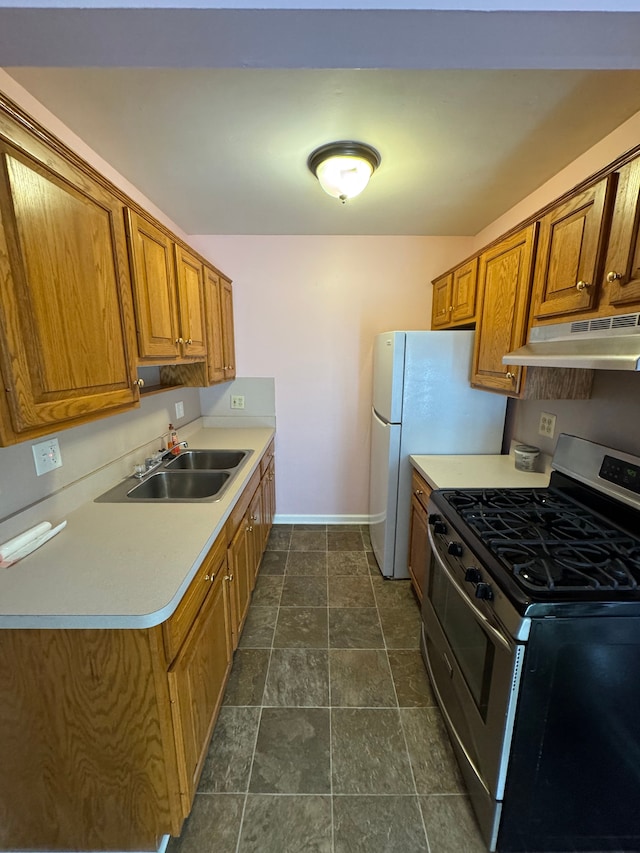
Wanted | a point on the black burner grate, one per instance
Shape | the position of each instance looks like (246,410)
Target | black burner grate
(548,542)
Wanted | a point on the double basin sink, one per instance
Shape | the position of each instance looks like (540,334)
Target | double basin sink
(192,476)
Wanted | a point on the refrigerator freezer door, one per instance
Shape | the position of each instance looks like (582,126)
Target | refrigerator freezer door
(388,375)
(383,491)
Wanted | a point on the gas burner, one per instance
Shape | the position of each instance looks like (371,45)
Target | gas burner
(547,542)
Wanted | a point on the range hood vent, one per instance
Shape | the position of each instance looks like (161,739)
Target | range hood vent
(604,343)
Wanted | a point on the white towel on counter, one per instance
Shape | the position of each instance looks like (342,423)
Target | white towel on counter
(18,547)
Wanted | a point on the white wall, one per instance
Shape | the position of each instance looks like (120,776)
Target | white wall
(306,310)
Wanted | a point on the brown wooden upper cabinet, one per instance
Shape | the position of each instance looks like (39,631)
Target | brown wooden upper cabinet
(228,336)
(570,253)
(67,336)
(154,288)
(621,274)
(219,327)
(168,287)
(190,273)
(504,290)
(454,297)
(441,303)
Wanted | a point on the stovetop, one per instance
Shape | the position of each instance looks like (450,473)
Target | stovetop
(552,546)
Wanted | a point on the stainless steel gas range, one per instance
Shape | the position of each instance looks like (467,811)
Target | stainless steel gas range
(531,637)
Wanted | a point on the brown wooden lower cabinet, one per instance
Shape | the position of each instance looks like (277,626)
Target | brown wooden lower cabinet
(418,537)
(104,732)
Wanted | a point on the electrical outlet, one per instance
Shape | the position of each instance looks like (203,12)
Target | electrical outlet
(547,426)
(237,401)
(46,456)
(179,410)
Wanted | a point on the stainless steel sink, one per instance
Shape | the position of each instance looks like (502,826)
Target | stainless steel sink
(192,477)
(180,486)
(209,460)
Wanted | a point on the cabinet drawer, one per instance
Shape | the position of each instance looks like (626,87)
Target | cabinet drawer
(237,513)
(176,628)
(420,488)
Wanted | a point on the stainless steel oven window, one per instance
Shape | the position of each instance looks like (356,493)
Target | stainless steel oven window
(471,646)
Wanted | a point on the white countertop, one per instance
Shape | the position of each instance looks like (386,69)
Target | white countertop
(119,565)
(476,472)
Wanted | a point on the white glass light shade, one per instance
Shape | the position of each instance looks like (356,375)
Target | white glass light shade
(343,168)
(344,177)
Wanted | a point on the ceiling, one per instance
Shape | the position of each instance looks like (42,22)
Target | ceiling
(223,150)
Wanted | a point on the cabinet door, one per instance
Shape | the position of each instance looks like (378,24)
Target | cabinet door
(270,495)
(258,529)
(463,299)
(213,317)
(67,341)
(191,303)
(227,331)
(570,252)
(441,305)
(240,557)
(418,546)
(154,288)
(196,683)
(622,266)
(504,287)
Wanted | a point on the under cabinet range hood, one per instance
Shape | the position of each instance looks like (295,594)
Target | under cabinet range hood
(604,343)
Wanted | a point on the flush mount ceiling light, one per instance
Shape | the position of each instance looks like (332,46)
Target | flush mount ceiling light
(343,168)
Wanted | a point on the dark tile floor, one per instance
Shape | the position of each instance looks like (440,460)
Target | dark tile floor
(329,739)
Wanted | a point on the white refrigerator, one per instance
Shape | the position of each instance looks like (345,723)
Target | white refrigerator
(422,403)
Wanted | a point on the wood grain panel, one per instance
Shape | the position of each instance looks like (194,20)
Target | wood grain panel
(154,288)
(570,253)
(623,253)
(558,383)
(196,683)
(191,301)
(81,742)
(229,343)
(66,311)
(419,549)
(463,298)
(215,336)
(177,626)
(504,285)
(441,301)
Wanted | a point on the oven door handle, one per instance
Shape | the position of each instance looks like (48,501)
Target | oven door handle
(497,635)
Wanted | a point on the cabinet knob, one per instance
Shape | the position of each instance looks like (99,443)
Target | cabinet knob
(510,375)
(179,341)
(583,285)
(254,518)
(419,492)
(210,577)
(139,383)
(249,528)
(228,577)
(189,341)
(613,276)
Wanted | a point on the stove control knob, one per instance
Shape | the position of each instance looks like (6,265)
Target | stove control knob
(434,517)
(439,527)
(483,590)
(455,548)
(473,575)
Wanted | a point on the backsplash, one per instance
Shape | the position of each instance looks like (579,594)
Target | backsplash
(611,417)
(87,448)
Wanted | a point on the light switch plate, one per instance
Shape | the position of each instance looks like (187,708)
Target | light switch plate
(547,426)
(237,401)
(46,456)
(179,410)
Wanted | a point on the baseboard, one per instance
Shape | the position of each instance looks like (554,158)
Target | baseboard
(321,519)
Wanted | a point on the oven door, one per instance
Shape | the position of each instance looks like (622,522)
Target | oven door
(474,666)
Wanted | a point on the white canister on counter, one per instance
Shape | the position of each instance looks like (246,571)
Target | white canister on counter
(525,456)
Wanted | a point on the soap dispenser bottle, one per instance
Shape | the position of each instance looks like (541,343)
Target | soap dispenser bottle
(173,444)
